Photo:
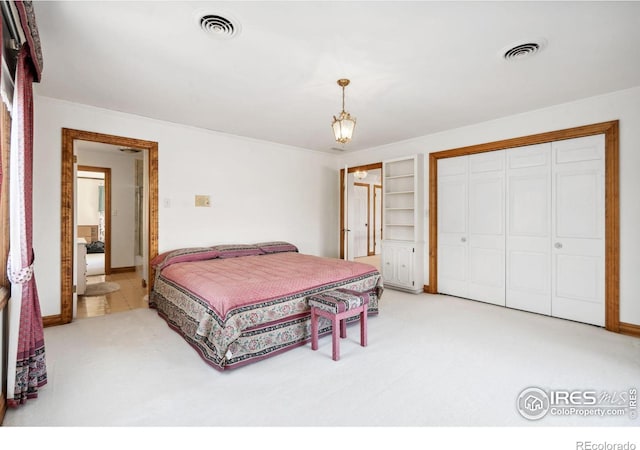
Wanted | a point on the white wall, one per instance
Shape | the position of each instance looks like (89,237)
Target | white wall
(87,201)
(122,167)
(623,106)
(259,190)
(263,191)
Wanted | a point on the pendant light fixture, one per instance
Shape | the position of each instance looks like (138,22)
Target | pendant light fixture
(360,174)
(344,124)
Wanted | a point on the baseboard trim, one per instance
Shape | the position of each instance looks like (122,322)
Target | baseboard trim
(629,329)
(51,321)
(3,407)
(123,269)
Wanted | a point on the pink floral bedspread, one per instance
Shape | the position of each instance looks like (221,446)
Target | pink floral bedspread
(239,310)
(226,284)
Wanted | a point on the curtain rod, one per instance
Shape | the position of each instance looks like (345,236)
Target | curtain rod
(10,14)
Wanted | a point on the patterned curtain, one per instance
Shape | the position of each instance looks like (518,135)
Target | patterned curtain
(1,168)
(27,370)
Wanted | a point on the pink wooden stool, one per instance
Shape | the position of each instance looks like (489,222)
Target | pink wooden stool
(337,306)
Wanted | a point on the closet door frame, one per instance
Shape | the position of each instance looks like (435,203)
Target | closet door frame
(612,204)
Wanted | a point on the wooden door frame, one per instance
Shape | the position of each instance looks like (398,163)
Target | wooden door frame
(107,212)
(375,222)
(342,187)
(612,207)
(67,212)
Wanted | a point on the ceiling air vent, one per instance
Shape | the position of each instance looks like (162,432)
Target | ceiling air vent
(522,51)
(218,26)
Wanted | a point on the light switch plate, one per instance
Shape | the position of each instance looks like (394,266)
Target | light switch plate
(202,200)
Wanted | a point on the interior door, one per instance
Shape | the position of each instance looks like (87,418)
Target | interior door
(377,219)
(345,213)
(76,269)
(359,219)
(528,253)
(486,230)
(452,226)
(578,230)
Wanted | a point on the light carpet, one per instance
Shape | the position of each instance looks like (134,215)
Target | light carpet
(432,361)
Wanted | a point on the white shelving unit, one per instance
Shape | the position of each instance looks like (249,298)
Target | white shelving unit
(403,223)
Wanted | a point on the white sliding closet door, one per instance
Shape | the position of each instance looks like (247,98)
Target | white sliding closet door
(452,226)
(524,228)
(528,285)
(578,291)
(471,232)
(486,237)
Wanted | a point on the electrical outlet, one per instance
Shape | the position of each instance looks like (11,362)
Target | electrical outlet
(202,200)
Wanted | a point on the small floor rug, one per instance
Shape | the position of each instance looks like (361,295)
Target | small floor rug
(102,288)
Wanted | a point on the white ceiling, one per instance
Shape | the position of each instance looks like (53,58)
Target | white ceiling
(415,67)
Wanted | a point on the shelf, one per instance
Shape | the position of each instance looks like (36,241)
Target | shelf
(403,223)
(393,177)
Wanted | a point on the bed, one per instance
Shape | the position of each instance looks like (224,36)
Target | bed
(238,304)
(88,232)
(95,249)
(95,264)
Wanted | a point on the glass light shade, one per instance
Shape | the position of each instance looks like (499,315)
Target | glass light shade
(360,174)
(343,127)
